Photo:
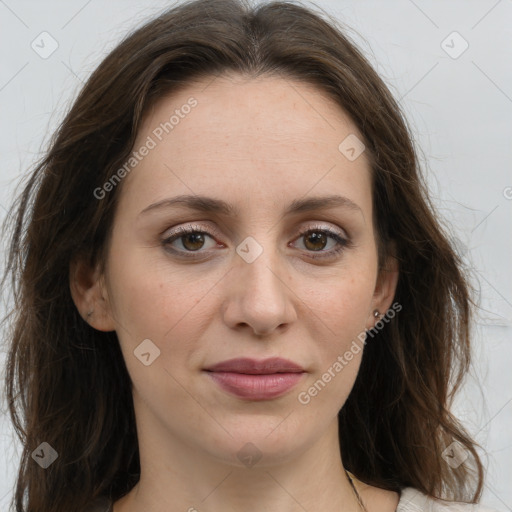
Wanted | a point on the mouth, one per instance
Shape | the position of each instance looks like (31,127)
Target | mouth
(253,379)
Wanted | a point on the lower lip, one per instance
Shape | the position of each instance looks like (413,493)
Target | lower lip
(256,387)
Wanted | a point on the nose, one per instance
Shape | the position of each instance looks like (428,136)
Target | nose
(258,296)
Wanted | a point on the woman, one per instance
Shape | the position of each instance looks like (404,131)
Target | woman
(231,291)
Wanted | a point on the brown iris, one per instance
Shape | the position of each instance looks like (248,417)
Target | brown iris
(193,241)
(315,240)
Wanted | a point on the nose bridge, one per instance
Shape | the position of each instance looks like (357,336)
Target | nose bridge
(260,272)
(260,298)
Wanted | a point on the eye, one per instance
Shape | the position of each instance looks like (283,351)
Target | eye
(317,239)
(188,239)
(192,241)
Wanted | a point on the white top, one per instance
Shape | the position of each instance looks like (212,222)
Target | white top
(411,500)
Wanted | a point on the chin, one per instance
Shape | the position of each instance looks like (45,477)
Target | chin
(265,443)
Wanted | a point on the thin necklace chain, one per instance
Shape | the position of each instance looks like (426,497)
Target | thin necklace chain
(350,479)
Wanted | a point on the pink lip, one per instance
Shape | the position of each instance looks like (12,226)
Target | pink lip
(256,380)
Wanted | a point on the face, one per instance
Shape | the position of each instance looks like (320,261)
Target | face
(272,254)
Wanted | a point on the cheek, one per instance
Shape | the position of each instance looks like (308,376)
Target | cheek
(169,306)
(147,294)
(342,312)
(344,302)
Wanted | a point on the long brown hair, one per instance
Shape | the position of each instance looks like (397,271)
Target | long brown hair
(67,384)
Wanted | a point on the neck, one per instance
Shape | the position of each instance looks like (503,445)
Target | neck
(178,477)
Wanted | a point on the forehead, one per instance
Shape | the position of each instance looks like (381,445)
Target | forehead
(267,136)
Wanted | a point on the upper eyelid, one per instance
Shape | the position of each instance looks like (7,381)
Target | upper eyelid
(215,232)
(189,228)
(339,231)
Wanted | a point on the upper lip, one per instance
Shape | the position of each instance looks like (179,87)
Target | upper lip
(256,367)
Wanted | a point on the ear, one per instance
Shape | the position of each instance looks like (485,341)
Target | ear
(89,292)
(385,288)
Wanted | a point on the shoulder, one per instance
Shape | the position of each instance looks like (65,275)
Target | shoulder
(412,500)
(99,505)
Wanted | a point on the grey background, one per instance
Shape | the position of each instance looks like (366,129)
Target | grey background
(460,110)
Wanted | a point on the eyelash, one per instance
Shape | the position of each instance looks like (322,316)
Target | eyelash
(342,243)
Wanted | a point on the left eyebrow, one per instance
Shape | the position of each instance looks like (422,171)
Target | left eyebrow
(213,205)
(321,203)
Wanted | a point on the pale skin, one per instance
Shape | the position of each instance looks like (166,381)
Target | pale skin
(258,144)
